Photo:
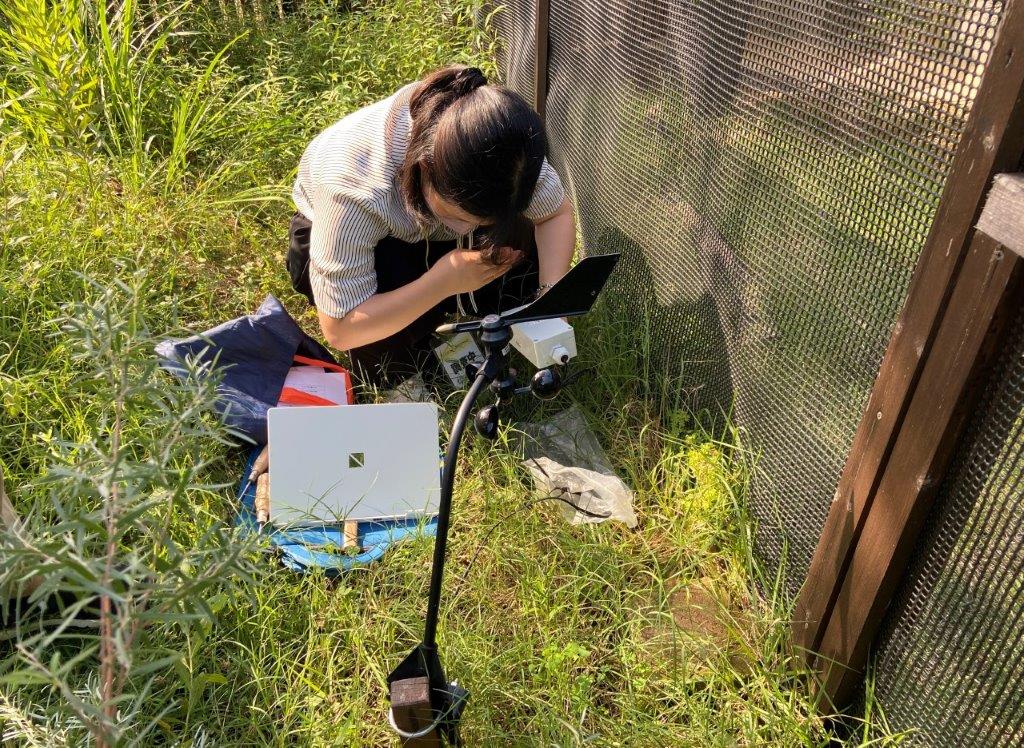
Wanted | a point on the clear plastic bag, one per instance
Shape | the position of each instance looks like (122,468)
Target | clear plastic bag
(566,459)
(412,390)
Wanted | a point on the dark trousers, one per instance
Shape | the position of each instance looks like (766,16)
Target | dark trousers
(397,263)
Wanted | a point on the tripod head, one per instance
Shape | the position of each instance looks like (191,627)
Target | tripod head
(572,296)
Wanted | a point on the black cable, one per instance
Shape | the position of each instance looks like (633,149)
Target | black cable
(563,492)
(501,292)
(577,374)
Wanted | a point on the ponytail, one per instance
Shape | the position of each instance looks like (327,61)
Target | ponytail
(440,89)
(479,146)
(435,94)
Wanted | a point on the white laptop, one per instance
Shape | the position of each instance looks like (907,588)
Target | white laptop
(336,463)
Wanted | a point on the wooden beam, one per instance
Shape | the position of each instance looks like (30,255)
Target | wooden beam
(991,143)
(12,522)
(1003,215)
(351,534)
(410,704)
(541,43)
(986,293)
(8,517)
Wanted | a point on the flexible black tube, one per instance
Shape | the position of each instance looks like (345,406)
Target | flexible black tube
(444,508)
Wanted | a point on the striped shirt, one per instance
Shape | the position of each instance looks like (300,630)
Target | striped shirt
(348,187)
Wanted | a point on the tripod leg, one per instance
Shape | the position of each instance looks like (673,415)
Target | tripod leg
(444,509)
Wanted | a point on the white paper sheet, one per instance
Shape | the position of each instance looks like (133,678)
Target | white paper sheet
(315,380)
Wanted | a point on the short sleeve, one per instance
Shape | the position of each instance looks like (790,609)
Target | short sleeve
(548,195)
(341,248)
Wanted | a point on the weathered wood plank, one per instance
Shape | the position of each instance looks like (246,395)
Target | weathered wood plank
(1003,215)
(987,290)
(410,703)
(8,517)
(541,43)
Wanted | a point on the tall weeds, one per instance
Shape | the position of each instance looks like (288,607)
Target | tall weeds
(49,89)
(92,591)
(103,78)
(139,144)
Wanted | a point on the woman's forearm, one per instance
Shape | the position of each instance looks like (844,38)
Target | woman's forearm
(384,314)
(556,243)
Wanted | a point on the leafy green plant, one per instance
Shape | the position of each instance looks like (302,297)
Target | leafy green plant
(104,77)
(44,86)
(558,631)
(86,591)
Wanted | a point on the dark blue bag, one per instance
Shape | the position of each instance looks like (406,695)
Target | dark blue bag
(253,355)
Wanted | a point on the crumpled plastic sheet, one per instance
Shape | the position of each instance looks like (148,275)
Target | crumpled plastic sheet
(412,390)
(566,459)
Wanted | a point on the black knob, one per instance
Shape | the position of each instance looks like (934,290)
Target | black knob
(546,383)
(486,422)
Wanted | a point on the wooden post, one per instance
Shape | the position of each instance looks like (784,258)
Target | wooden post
(854,569)
(986,289)
(410,703)
(8,517)
(351,534)
(541,41)
(11,522)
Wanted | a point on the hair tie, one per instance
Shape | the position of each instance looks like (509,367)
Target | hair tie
(468,80)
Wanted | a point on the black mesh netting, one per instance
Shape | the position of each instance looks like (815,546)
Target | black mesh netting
(770,171)
(517,54)
(951,656)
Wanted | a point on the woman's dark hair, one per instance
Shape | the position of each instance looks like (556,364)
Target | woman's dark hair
(480,147)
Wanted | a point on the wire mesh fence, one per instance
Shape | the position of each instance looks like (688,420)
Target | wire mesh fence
(517,52)
(770,171)
(952,651)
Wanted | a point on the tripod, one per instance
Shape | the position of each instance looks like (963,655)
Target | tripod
(572,296)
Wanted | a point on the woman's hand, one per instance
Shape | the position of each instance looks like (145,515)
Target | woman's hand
(464,270)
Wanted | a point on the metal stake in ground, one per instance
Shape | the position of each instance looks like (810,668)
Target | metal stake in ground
(425,706)
(447,700)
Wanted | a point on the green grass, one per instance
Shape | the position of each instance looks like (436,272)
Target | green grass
(170,157)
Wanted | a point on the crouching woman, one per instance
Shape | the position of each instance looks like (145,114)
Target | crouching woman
(435,200)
